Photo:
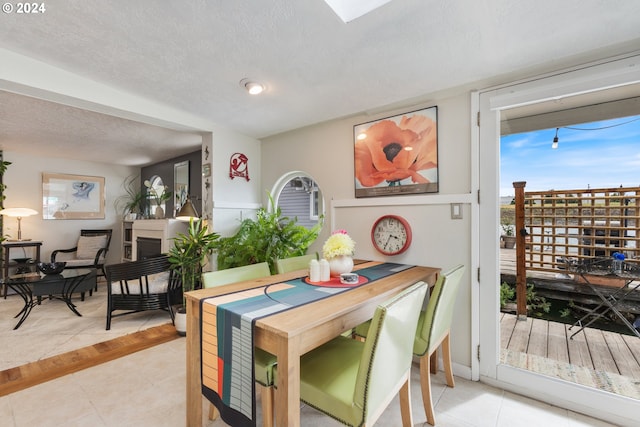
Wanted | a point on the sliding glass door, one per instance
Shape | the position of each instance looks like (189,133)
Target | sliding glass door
(493,105)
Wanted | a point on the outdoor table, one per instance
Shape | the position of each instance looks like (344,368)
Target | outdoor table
(291,333)
(60,286)
(606,267)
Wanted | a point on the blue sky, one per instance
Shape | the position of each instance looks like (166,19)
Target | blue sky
(603,158)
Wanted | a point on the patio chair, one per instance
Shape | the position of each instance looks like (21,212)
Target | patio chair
(354,381)
(264,362)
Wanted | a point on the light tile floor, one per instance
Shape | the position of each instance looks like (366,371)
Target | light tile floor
(52,328)
(148,388)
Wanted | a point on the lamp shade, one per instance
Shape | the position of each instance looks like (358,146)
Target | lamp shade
(187,211)
(18,212)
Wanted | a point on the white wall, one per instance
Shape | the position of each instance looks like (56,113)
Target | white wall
(234,199)
(23,179)
(325,151)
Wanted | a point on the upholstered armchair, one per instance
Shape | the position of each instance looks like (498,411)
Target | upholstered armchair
(90,251)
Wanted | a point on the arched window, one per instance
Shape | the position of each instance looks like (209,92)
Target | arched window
(298,196)
(157,194)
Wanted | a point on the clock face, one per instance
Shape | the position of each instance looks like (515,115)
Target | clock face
(391,235)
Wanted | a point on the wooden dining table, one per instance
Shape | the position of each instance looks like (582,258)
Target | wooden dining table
(294,332)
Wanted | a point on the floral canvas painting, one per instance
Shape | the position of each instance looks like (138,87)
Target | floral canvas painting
(397,155)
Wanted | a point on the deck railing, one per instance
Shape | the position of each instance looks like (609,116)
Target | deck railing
(579,224)
(559,225)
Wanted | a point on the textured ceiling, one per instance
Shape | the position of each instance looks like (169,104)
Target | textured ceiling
(191,55)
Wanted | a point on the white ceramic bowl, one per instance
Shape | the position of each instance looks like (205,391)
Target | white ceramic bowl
(348,278)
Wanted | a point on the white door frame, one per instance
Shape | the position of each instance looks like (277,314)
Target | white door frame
(614,72)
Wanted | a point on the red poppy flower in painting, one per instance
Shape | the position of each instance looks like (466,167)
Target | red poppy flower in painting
(394,151)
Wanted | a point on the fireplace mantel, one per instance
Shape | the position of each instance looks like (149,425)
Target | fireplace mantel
(163,229)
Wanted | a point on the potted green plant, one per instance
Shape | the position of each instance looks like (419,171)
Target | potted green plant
(508,236)
(3,187)
(189,254)
(269,237)
(133,203)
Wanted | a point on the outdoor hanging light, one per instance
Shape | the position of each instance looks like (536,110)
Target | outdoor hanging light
(555,140)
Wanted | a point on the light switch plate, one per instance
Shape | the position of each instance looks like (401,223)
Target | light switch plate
(456,210)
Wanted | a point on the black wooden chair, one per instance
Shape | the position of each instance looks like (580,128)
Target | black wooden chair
(147,284)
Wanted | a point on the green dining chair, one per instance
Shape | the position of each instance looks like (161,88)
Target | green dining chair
(434,327)
(264,362)
(301,262)
(354,381)
(211,279)
(433,331)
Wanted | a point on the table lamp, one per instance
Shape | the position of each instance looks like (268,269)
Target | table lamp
(18,213)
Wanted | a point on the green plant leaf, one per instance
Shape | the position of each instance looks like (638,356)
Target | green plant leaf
(190,253)
(267,238)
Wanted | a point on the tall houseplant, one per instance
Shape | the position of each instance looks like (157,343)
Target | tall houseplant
(134,201)
(190,253)
(3,187)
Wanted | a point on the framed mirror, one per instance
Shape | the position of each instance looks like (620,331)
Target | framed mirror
(180,185)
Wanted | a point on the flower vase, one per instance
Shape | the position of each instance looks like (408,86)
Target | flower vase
(159,214)
(340,264)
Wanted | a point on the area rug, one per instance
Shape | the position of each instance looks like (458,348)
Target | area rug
(31,374)
(600,380)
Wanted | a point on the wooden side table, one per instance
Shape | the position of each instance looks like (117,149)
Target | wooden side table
(7,246)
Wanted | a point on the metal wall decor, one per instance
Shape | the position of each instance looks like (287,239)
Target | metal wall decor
(239,166)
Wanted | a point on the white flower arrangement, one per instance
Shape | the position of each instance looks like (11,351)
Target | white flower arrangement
(339,243)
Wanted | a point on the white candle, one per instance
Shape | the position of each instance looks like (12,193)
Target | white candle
(325,273)
(314,270)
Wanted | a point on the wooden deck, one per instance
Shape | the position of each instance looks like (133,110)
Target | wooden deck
(594,358)
(605,360)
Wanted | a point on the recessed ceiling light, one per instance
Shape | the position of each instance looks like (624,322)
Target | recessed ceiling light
(252,87)
(348,10)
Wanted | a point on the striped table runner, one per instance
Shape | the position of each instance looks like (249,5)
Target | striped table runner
(227,323)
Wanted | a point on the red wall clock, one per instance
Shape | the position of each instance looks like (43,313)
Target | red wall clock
(391,235)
